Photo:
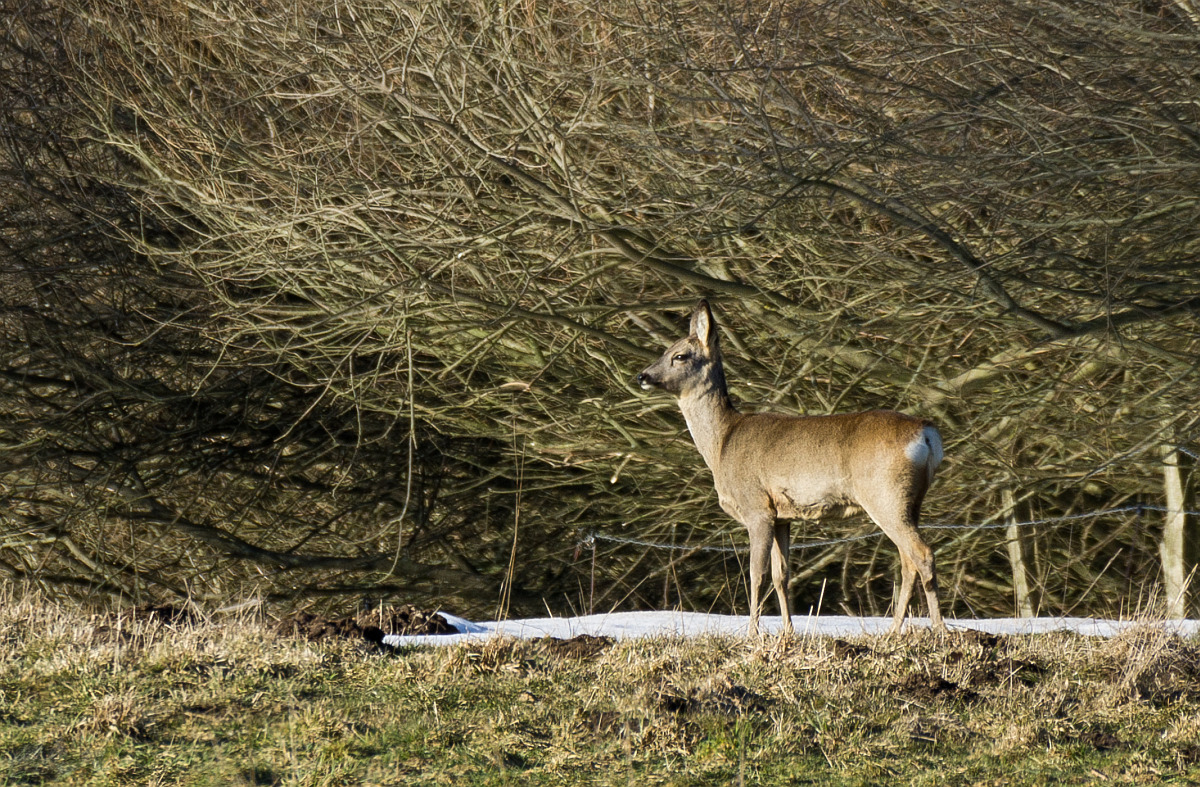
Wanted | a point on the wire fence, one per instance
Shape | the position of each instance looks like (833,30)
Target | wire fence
(590,539)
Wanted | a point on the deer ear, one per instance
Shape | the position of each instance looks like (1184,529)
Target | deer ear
(703,325)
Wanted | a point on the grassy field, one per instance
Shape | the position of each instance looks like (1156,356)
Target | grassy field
(108,700)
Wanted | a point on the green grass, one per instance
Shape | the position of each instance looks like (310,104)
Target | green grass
(228,702)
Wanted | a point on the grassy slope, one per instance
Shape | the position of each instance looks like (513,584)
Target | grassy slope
(83,701)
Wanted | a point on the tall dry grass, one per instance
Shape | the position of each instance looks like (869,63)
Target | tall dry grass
(102,699)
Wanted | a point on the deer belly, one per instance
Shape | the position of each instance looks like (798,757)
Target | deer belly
(787,506)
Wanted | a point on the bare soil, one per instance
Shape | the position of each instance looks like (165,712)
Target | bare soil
(372,625)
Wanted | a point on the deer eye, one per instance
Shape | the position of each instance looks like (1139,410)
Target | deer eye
(680,358)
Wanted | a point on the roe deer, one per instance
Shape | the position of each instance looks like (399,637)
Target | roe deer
(770,468)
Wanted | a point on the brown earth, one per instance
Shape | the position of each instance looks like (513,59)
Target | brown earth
(372,625)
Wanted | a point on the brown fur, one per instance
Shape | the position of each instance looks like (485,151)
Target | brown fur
(770,468)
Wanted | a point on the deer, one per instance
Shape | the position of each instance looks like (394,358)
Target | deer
(771,468)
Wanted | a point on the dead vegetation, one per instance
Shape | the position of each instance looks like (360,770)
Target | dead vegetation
(321,299)
(230,700)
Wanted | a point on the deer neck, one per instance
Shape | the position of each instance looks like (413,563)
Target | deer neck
(709,415)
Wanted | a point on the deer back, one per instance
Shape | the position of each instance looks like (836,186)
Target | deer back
(811,466)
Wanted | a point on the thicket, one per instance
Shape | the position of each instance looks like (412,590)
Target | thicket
(344,298)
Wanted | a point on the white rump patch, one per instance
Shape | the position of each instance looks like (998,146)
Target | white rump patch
(926,449)
(934,438)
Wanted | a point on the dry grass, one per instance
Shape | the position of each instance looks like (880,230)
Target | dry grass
(98,700)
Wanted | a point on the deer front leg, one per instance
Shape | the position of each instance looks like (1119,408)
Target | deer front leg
(781,572)
(761,539)
(908,575)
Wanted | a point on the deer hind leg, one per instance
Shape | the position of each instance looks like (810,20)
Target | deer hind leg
(921,557)
(926,567)
(916,558)
(929,584)
(781,571)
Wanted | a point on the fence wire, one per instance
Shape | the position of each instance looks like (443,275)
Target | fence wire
(590,539)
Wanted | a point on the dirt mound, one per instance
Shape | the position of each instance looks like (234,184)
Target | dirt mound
(135,625)
(167,614)
(371,626)
(405,619)
(1159,670)
(924,688)
(719,696)
(581,646)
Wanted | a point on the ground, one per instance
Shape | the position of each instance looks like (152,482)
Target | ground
(181,699)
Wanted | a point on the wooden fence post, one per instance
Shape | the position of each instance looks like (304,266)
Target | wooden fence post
(1016,557)
(1172,547)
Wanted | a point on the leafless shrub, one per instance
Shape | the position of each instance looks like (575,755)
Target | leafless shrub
(322,300)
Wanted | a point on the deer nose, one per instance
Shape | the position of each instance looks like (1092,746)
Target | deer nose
(644,380)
